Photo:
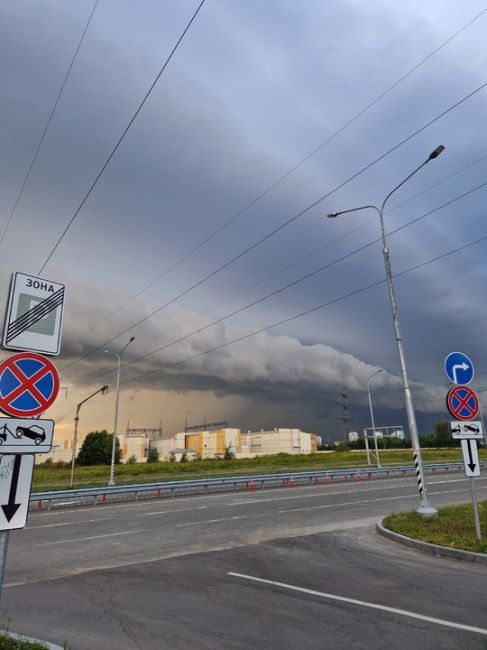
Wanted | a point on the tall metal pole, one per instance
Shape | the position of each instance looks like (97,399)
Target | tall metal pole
(102,390)
(372,417)
(111,480)
(4,536)
(75,443)
(425,507)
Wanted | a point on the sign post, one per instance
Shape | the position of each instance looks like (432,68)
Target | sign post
(463,404)
(29,384)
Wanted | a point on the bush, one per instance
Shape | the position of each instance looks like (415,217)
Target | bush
(132,460)
(153,455)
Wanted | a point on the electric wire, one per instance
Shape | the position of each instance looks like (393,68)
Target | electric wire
(307,312)
(121,138)
(297,281)
(286,175)
(46,128)
(312,253)
(304,313)
(281,226)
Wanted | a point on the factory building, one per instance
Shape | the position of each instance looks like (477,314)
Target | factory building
(214,442)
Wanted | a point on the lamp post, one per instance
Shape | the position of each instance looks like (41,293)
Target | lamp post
(372,416)
(425,507)
(111,480)
(102,390)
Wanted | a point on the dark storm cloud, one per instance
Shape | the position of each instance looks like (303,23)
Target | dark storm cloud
(233,113)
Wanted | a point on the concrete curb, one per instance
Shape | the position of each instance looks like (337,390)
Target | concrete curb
(23,637)
(432,549)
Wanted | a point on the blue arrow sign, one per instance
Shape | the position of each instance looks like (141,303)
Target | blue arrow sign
(459,368)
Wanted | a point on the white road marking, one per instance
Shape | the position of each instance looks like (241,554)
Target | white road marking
(353,503)
(85,539)
(165,512)
(68,523)
(379,488)
(362,603)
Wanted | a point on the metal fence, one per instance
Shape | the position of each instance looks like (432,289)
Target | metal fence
(170,489)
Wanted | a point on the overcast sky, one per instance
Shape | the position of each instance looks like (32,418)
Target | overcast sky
(252,90)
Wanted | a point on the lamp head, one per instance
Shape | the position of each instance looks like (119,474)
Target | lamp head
(132,338)
(434,154)
(332,215)
(104,389)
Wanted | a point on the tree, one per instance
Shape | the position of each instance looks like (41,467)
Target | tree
(97,449)
(153,455)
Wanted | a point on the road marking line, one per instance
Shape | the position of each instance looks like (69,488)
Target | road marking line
(165,512)
(67,523)
(379,488)
(84,539)
(362,603)
(351,503)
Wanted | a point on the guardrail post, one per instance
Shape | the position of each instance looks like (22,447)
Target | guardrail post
(49,504)
(95,498)
(206,489)
(136,496)
(159,492)
(172,492)
(262,484)
(39,505)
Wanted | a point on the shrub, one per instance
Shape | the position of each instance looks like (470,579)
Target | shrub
(153,455)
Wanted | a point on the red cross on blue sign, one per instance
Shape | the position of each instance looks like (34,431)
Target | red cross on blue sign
(29,384)
(462,403)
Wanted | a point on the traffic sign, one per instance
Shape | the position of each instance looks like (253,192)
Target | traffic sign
(34,314)
(470,458)
(462,403)
(29,384)
(21,436)
(470,429)
(15,484)
(459,368)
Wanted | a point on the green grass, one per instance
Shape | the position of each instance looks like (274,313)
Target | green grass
(7,643)
(51,478)
(453,527)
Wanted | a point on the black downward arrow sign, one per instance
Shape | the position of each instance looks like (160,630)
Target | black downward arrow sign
(471,464)
(11,508)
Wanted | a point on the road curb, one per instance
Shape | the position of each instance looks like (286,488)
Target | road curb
(23,637)
(432,549)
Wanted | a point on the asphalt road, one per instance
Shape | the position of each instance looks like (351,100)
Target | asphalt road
(161,574)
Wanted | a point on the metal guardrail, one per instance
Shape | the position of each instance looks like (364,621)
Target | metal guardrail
(96,495)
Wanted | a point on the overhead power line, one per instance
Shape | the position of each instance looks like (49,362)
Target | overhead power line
(316,251)
(46,128)
(282,226)
(286,175)
(124,133)
(298,280)
(307,312)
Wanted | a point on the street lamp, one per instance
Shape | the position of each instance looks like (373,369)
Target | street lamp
(372,420)
(111,480)
(425,507)
(102,390)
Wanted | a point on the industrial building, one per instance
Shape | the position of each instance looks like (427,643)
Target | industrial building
(213,442)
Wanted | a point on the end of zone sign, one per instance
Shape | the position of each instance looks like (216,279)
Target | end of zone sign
(34,315)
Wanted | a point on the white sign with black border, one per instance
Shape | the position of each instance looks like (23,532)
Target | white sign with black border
(34,315)
(25,435)
(462,430)
(470,458)
(15,485)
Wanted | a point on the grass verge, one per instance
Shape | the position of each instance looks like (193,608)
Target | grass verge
(8,643)
(57,478)
(453,527)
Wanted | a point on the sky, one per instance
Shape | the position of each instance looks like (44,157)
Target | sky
(268,116)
